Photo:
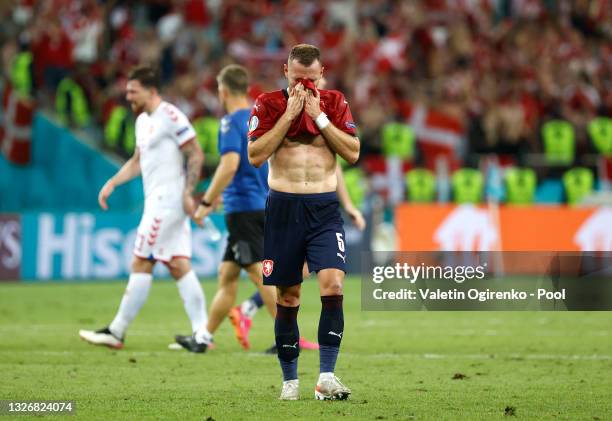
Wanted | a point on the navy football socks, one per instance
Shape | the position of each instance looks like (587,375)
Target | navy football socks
(331,329)
(256,298)
(287,340)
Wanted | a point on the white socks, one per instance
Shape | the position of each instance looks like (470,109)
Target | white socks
(203,336)
(193,299)
(136,294)
(248,308)
(325,376)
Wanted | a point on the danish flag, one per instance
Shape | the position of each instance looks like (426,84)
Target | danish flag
(16,127)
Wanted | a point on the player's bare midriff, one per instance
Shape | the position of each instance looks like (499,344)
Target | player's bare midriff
(304,165)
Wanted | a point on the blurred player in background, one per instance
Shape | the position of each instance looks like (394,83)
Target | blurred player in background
(170,160)
(291,127)
(244,190)
(242,315)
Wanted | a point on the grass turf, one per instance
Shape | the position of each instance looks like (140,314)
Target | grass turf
(400,365)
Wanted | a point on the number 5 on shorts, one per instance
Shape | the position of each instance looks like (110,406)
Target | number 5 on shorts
(340,241)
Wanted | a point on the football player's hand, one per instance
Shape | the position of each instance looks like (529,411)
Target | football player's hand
(357,218)
(189,204)
(295,103)
(201,213)
(313,104)
(105,192)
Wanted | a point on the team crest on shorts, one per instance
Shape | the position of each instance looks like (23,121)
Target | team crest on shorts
(268,266)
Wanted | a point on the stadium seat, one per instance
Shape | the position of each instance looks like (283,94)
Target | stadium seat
(578,183)
(421,185)
(119,131)
(398,139)
(467,186)
(520,186)
(600,132)
(355,181)
(71,104)
(559,139)
(207,129)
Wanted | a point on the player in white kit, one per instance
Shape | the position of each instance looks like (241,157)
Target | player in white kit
(170,159)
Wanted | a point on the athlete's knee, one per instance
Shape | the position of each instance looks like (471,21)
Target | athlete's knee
(229,285)
(255,273)
(288,296)
(331,283)
(142,265)
(178,267)
(228,272)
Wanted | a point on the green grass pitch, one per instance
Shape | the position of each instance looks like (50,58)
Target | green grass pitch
(399,365)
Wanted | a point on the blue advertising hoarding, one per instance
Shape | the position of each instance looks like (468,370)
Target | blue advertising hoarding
(98,246)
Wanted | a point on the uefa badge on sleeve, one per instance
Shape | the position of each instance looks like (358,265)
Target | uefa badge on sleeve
(253,123)
(268,266)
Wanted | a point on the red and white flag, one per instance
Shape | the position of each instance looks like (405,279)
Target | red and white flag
(16,127)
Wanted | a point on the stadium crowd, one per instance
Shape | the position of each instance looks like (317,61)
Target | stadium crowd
(471,76)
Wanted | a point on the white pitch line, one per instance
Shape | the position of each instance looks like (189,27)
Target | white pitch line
(591,357)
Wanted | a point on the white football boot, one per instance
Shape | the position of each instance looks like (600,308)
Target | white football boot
(101,337)
(329,387)
(291,390)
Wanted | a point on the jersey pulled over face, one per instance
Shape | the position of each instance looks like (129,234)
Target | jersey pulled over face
(304,162)
(269,107)
(159,137)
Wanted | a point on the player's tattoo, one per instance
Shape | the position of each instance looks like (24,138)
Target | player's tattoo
(195,158)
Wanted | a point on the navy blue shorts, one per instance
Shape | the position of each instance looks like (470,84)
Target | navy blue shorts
(298,228)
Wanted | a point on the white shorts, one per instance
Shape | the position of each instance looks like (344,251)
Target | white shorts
(163,234)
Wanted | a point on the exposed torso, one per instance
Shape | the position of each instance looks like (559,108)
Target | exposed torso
(304,164)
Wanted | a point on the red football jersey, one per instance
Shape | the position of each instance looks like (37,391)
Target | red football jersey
(269,107)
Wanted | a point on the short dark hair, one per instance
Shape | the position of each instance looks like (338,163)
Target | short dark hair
(305,54)
(235,78)
(148,76)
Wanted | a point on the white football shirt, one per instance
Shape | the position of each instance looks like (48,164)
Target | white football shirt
(159,137)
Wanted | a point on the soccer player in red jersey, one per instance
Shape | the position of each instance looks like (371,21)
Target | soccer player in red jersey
(300,130)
